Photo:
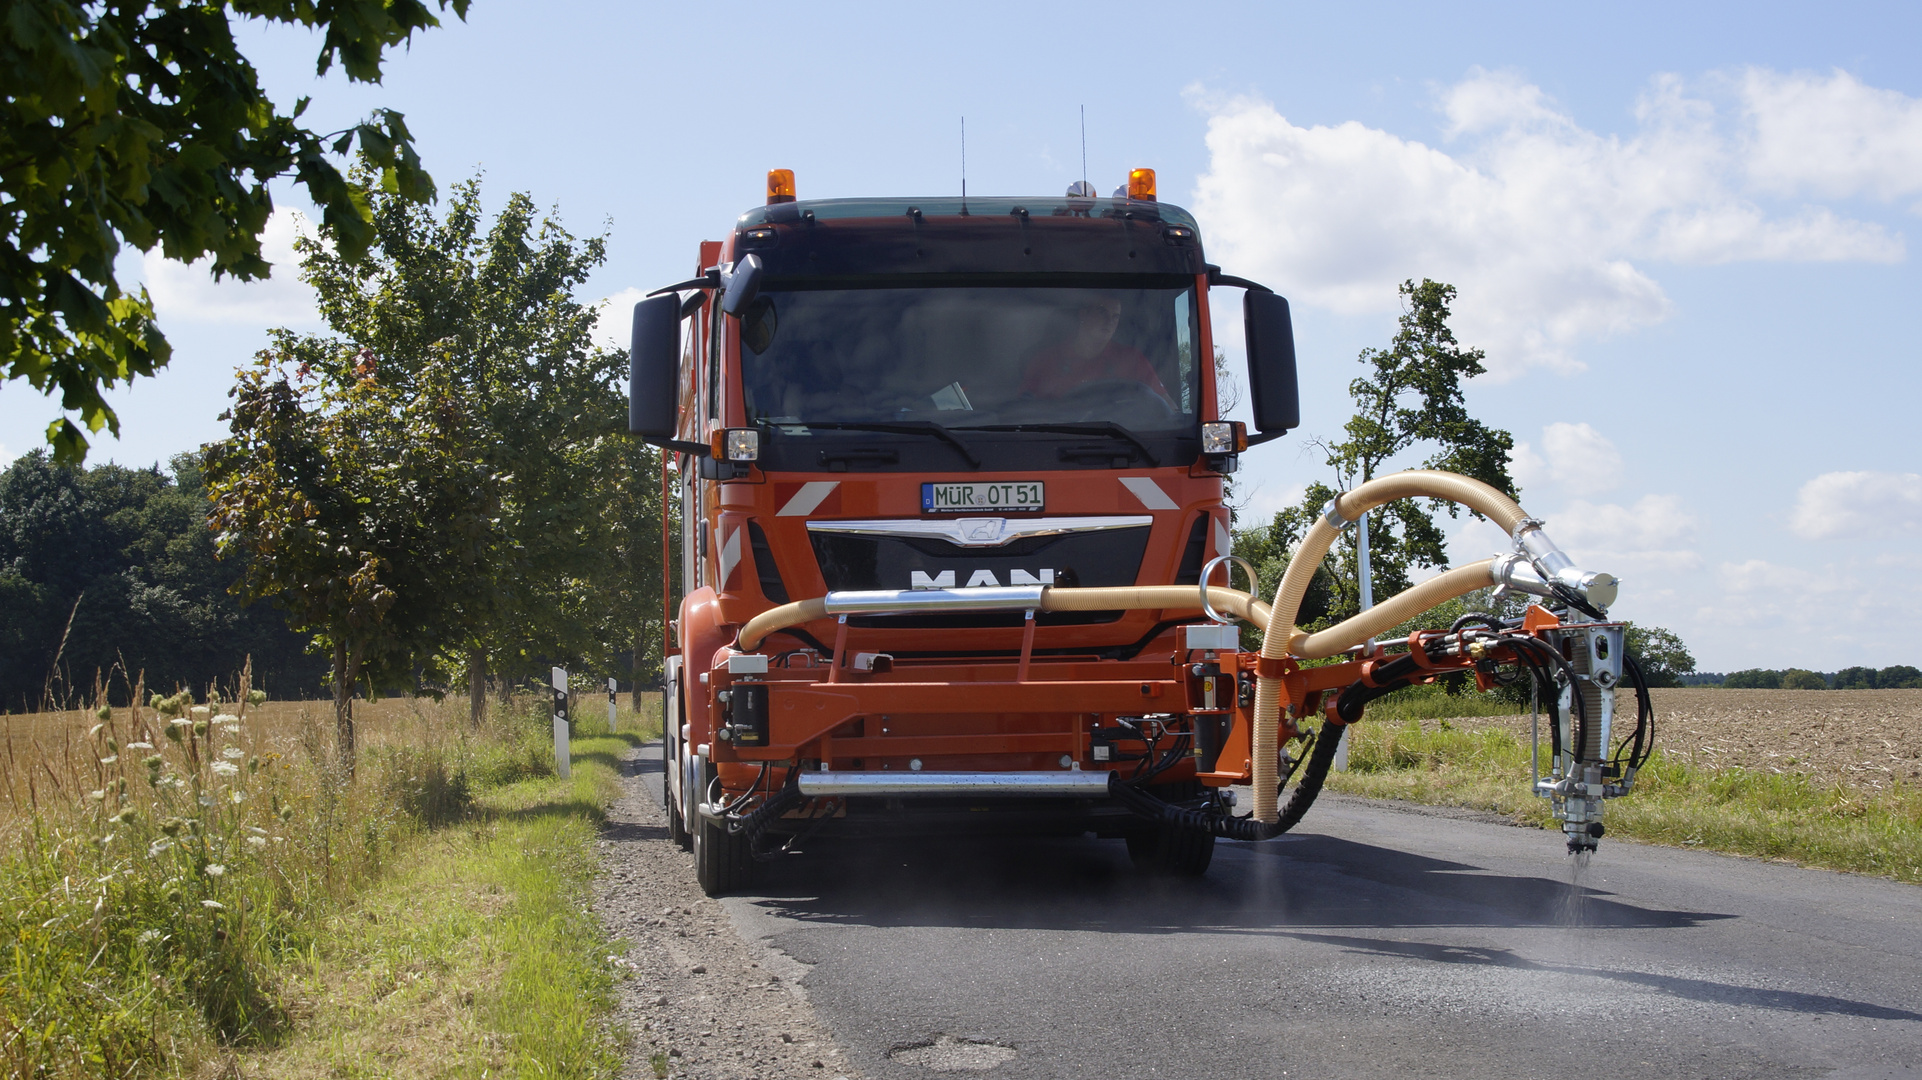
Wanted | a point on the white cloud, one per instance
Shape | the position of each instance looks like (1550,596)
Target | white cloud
(1656,529)
(1852,505)
(1574,456)
(614,321)
(1539,222)
(1831,136)
(188,292)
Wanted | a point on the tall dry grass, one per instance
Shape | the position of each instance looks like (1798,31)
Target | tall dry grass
(157,862)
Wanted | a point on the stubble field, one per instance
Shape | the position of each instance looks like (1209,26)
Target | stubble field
(1859,739)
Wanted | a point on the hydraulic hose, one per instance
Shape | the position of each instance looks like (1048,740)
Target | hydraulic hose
(1314,774)
(1283,636)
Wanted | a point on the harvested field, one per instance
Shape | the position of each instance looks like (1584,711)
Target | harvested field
(1862,739)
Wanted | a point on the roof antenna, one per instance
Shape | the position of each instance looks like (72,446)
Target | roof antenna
(964,161)
(1084,146)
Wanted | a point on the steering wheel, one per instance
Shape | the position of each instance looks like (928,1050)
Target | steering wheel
(1125,395)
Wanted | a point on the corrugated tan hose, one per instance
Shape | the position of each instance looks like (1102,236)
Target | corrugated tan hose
(1283,637)
(1116,598)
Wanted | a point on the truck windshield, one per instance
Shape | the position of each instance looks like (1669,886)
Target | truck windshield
(973,357)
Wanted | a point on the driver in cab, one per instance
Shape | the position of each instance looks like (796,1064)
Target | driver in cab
(1091,355)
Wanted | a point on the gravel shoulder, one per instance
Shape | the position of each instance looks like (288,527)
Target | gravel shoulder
(697,997)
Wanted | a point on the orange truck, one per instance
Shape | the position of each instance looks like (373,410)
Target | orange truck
(950,477)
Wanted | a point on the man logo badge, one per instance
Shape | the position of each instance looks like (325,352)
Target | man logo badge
(919,579)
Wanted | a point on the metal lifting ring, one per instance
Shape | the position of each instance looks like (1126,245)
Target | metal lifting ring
(1208,568)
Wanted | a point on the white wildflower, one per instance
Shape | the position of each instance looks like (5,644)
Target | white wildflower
(110,759)
(216,870)
(206,800)
(257,841)
(214,904)
(255,829)
(159,847)
(226,768)
(230,729)
(140,746)
(148,937)
(97,796)
(237,796)
(227,718)
(200,712)
(233,753)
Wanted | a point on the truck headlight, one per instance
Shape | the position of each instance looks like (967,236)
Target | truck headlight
(1223,437)
(743,444)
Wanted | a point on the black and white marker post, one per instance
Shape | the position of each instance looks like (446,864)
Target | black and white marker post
(613,688)
(563,763)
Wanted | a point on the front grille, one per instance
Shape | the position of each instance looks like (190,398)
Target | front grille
(1107,557)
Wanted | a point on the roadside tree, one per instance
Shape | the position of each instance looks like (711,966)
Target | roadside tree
(361,508)
(1410,400)
(556,578)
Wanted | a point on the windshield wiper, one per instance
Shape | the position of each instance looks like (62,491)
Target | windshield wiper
(1094,427)
(905,427)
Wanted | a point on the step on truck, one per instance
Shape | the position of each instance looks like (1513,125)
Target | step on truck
(954,552)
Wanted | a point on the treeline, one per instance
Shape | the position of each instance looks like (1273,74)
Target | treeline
(113,568)
(1895,677)
(438,494)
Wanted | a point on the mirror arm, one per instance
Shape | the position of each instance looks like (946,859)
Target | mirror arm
(1266,436)
(697,449)
(709,280)
(1216,277)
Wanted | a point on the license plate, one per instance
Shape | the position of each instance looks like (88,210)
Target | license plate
(974,497)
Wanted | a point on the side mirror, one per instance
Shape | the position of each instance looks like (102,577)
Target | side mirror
(654,368)
(1271,364)
(743,285)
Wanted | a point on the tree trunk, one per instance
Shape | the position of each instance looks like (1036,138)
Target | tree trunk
(640,657)
(344,710)
(476,687)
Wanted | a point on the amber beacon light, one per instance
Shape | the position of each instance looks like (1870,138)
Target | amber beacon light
(1141,184)
(780,185)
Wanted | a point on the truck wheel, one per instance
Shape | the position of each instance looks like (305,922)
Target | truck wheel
(1170,851)
(722,861)
(676,824)
(670,762)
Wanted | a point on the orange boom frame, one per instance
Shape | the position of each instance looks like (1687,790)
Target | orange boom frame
(950,481)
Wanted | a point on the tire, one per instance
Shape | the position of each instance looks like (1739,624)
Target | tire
(671,763)
(722,861)
(676,823)
(1171,852)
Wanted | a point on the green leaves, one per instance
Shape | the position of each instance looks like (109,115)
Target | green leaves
(456,441)
(139,122)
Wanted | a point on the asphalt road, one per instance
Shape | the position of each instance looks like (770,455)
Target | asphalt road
(1371,942)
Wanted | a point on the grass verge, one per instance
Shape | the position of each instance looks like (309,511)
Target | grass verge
(191,891)
(479,956)
(1767,815)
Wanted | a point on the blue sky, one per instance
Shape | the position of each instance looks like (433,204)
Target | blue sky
(1683,234)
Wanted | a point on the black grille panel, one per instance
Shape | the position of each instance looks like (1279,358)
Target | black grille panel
(1105,557)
